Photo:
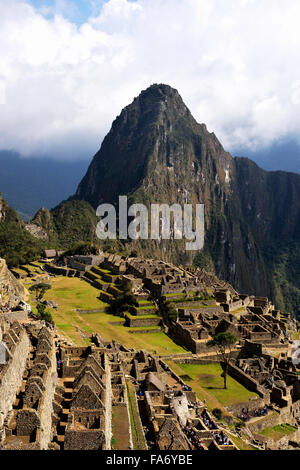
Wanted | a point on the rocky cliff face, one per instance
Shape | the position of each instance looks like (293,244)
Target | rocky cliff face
(157,152)
(11,290)
(156,141)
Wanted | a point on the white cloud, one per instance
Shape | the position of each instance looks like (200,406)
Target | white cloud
(235,63)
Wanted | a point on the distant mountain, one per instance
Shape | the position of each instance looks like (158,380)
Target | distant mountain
(17,245)
(29,183)
(157,152)
(282,155)
(66,224)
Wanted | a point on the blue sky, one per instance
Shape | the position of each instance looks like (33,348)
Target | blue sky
(77,11)
(64,79)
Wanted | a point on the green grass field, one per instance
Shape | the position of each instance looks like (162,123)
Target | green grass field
(207,382)
(209,377)
(74,293)
(138,439)
(279,431)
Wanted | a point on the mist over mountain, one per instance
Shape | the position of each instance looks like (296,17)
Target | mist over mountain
(283,155)
(29,183)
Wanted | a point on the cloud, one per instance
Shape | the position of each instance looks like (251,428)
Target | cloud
(235,63)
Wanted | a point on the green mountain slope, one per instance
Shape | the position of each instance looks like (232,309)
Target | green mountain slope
(17,246)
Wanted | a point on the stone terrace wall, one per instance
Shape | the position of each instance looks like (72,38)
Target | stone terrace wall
(267,422)
(250,405)
(9,286)
(245,379)
(140,321)
(283,443)
(108,406)
(20,315)
(47,405)
(11,375)
(154,330)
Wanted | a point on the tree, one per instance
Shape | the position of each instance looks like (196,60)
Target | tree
(133,254)
(40,290)
(123,302)
(223,342)
(43,314)
(168,309)
(81,248)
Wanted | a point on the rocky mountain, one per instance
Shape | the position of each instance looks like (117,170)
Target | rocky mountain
(157,152)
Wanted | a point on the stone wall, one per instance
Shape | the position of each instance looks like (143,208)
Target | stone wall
(108,406)
(250,405)
(91,439)
(85,312)
(50,268)
(47,403)
(140,321)
(20,315)
(11,375)
(188,306)
(245,379)
(146,311)
(280,444)
(11,290)
(156,330)
(266,422)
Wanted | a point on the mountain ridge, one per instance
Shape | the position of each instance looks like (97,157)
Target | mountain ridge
(157,152)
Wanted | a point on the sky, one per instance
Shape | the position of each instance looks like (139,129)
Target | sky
(68,67)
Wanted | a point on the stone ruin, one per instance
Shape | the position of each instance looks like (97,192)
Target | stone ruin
(12,292)
(54,396)
(27,387)
(60,397)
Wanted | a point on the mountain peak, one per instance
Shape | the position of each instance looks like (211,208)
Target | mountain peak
(154,135)
(152,105)
(161,94)
(159,90)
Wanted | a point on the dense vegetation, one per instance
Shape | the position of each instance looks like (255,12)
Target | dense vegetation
(223,342)
(82,248)
(17,246)
(284,263)
(168,309)
(123,302)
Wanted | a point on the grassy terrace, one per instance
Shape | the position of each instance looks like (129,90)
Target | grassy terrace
(138,439)
(74,293)
(206,381)
(241,445)
(296,336)
(142,328)
(120,428)
(102,270)
(145,317)
(279,431)
(146,307)
(193,306)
